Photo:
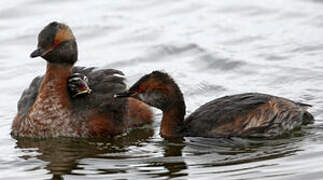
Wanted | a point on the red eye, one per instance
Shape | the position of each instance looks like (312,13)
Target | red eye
(56,43)
(140,90)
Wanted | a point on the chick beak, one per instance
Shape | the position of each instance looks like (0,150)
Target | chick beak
(85,90)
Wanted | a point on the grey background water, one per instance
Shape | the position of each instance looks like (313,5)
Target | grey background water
(212,48)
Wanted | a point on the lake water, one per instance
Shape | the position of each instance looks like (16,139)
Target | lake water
(211,48)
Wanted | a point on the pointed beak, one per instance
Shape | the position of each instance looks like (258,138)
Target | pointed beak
(124,94)
(40,52)
(37,52)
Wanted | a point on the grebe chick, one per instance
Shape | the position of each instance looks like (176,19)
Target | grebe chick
(241,115)
(138,113)
(47,109)
(78,85)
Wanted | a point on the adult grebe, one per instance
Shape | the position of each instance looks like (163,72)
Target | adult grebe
(242,115)
(46,108)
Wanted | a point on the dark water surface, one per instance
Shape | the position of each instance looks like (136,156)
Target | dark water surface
(211,48)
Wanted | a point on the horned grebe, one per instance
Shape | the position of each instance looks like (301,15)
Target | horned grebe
(242,115)
(46,108)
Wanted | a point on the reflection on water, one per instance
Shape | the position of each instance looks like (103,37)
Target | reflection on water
(211,48)
(175,158)
(62,155)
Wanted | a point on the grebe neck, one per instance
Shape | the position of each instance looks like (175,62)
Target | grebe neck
(58,71)
(55,79)
(173,117)
(54,84)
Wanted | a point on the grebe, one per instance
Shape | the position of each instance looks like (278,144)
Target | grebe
(47,108)
(241,115)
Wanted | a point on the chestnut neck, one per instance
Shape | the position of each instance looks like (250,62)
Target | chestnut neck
(58,72)
(55,80)
(172,122)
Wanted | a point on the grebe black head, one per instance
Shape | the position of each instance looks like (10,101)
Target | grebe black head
(157,89)
(56,44)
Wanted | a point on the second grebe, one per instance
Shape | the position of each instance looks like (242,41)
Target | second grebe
(242,115)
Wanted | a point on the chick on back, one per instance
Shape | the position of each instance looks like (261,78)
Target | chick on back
(47,109)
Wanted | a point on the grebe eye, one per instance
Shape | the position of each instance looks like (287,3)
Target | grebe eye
(140,90)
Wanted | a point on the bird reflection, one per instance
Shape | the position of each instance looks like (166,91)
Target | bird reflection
(63,154)
(172,159)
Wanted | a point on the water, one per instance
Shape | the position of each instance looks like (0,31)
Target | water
(211,48)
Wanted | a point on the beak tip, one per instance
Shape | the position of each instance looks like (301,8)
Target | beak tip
(35,53)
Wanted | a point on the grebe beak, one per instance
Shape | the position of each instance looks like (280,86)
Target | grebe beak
(40,52)
(37,52)
(124,94)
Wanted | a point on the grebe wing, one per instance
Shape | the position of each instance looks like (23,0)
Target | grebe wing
(28,97)
(104,83)
(249,115)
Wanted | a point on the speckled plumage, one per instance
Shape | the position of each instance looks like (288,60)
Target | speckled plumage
(103,82)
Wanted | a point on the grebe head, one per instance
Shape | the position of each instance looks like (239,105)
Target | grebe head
(157,89)
(56,44)
(78,85)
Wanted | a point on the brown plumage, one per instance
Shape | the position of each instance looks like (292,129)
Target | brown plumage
(46,108)
(243,115)
(139,113)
